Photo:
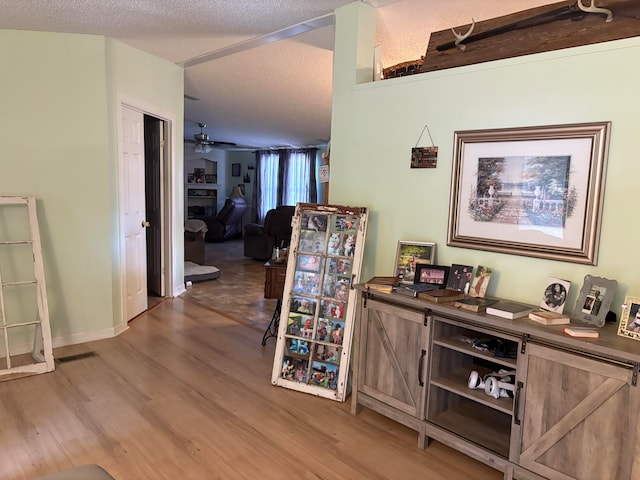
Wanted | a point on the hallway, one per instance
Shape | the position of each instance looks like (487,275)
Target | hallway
(238,293)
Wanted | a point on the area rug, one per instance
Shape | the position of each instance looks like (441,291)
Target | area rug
(199,273)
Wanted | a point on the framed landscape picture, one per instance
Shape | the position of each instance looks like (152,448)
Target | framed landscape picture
(411,254)
(534,191)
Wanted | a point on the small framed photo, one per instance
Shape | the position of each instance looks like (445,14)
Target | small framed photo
(555,294)
(411,254)
(210,178)
(460,277)
(629,325)
(480,282)
(594,301)
(437,275)
(235,169)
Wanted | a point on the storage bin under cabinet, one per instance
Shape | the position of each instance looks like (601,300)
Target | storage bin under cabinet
(576,407)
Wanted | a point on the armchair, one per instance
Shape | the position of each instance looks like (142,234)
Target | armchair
(228,223)
(194,233)
(259,240)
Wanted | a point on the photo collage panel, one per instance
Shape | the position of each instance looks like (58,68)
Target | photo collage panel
(319,299)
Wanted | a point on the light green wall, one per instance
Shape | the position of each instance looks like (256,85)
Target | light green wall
(154,86)
(58,143)
(375,125)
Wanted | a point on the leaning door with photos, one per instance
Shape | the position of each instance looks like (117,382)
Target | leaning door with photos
(314,337)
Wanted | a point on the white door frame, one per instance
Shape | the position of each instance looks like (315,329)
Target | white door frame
(167,193)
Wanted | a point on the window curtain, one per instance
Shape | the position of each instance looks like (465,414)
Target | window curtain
(267,182)
(284,177)
(299,174)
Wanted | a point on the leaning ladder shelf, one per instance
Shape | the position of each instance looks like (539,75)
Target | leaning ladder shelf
(22,279)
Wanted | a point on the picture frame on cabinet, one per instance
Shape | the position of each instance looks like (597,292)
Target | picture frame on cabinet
(411,254)
(594,301)
(629,325)
(480,282)
(551,178)
(437,275)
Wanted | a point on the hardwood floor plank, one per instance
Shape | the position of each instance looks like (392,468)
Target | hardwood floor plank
(185,393)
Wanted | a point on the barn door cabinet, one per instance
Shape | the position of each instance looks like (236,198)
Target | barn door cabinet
(573,412)
(578,417)
(391,353)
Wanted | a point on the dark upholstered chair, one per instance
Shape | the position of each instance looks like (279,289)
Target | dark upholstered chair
(194,232)
(228,223)
(259,240)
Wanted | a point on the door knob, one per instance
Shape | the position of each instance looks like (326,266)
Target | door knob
(146,224)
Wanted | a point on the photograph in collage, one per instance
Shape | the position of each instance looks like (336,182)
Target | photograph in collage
(345,224)
(312,242)
(303,305)
(328,353)
(294,369)
(332,309)
(336,287)
(324,330)
(337,332)
(324,375)
(308,283)
(314,222)
(339,266)
(300,325)
(297,346)
(309,263)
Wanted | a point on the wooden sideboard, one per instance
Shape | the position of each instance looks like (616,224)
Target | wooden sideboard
(572,412)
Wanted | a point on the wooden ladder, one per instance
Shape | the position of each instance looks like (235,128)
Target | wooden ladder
(19,276)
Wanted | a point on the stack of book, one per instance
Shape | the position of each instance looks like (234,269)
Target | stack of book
(382,284)
(474,304)
(510,310)
(546,317)
(414,289)
(588,332)
(441,295)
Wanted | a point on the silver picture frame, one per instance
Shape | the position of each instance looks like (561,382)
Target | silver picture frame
(532,191)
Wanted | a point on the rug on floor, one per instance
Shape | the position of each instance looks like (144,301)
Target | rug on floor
(199,273)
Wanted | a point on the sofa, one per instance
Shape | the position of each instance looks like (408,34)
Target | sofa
(259,240)
(228,223)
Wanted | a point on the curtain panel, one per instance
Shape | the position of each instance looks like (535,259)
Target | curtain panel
(283,177)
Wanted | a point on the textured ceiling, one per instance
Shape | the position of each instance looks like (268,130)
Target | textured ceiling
(259,95)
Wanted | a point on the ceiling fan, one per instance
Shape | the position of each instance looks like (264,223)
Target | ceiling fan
(202,143)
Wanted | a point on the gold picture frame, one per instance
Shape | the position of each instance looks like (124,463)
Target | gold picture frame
(629,325)
(532,191)
(409,255)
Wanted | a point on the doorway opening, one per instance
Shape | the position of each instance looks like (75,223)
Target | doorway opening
(145,208)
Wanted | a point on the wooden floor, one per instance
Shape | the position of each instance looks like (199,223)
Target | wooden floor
(185,393)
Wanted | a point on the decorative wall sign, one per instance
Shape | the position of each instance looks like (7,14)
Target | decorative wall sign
(314,338)
(323,173)
(534,191)
(424,157)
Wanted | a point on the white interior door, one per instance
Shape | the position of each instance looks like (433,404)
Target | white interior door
(132,185)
